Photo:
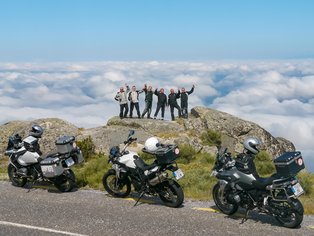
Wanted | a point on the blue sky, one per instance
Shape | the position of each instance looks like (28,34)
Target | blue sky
(75,30)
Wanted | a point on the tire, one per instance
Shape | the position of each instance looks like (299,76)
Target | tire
(116,187)
(14,178)
(171,194)
(65,182)
(291,214)
(222,203)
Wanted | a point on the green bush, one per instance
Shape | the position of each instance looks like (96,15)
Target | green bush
(264,164)
(87,147)
(187,153)
(307,182)
(91,173)
(211,138)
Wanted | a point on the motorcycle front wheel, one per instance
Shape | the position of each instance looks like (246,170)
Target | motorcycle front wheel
(115,186)
(291,215)
(66,181)
(171,194)
(15,178)
(221,201)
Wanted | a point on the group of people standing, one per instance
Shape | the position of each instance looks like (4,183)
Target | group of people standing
(125,95)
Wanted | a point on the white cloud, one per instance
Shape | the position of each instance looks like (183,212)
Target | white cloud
(277,95)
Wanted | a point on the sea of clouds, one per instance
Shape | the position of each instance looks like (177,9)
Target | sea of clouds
(277,95)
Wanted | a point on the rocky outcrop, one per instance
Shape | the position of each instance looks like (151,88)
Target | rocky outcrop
(234,130)
(182,131)
(53,127)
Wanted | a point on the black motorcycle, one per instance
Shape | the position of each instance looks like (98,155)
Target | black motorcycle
(151,179)
(276,196)
(28,164)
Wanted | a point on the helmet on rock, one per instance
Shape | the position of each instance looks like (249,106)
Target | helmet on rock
(251,144)
(151,144)
(36,131)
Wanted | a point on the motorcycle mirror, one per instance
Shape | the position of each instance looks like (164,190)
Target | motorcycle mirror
(131,132)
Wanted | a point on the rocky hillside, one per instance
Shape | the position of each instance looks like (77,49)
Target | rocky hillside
(232,129)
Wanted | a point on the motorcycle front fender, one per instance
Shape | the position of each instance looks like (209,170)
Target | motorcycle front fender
(223,184)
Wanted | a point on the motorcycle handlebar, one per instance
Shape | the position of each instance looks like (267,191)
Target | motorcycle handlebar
(130,140)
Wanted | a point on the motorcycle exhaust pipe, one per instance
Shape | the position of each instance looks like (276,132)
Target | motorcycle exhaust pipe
(158,179)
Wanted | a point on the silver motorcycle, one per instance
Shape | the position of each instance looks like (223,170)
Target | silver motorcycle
(28,164)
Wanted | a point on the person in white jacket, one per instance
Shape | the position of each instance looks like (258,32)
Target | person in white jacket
(133,98)
(122,98)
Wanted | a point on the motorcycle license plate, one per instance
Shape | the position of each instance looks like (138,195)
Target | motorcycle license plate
(47,169)
(69,162)
(297,189)
(178,174)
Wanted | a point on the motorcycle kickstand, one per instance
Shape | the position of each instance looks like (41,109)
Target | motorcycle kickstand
(245,218)
(141,195)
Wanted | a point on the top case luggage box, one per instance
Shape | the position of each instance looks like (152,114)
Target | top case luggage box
(65,144)
(289,164)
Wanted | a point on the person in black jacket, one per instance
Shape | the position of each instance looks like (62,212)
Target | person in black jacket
(148,100)
(172,101)
(184,101)
(161,103)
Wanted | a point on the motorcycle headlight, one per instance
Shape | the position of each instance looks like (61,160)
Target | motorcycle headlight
(176,151)
(74,145)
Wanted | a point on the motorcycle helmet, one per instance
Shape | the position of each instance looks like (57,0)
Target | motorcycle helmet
(151,144)
(251,144)
(36,131)
(114,151)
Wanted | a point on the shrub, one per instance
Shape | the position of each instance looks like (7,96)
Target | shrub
(211,138)
(187,153)
(264,164)
(197,182)
(307,182)
(87,147)
(91,173)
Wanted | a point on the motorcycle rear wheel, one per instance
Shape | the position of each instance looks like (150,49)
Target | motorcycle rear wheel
(116,187)
(292,215)
(65,182)
(222,203)
(171,194)
(15,179)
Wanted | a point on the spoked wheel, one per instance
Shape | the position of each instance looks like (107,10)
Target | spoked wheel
(65,182)
(291,215)
(114,186)
(15,178)
(171,194)
(221,201)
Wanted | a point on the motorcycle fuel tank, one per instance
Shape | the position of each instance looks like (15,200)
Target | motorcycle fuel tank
(242,179)
(128,159)
(28,158)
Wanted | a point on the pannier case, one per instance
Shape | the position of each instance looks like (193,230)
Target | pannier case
(65,144)
(289,164)
(51,167)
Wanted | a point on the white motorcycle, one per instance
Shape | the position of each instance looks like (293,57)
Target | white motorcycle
(128,168)
(26,162)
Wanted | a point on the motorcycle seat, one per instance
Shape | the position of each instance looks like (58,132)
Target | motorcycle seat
(261,183)
(140,163)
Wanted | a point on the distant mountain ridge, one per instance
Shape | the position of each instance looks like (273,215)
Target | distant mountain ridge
(233,131)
